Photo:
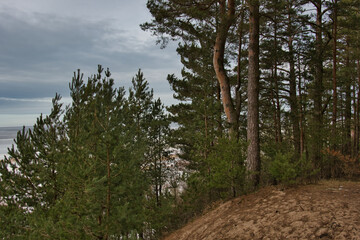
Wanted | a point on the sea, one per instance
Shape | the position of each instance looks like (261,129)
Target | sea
(7,136)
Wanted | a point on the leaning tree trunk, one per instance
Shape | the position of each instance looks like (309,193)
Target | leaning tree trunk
(253,157)
(227,16)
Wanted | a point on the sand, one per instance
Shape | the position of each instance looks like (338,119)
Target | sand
(327,210)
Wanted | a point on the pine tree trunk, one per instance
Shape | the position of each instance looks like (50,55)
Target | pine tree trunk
(219,118)
(108,197)
(239,77)
(160,167)
(226,20)
(294,106)
(355,120)
(301,112)
(334,113)
(274,109)
(278,108)
(347,146)
(156,180)
(294,115)
(253,157)
(357,133)
(317,130)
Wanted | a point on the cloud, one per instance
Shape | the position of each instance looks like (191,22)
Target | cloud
(43,42)
(43,48)
(24,107)
(24,111)
(36,41)
(41,100)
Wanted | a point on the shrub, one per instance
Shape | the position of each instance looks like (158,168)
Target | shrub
(226,161)
(341,165)
(282,169)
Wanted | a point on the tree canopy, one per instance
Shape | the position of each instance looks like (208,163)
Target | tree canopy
(269,93)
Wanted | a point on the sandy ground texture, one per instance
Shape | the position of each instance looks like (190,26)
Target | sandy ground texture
(327,210)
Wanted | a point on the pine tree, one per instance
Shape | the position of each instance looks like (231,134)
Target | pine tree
(31,178)
(199,114)
(79,172)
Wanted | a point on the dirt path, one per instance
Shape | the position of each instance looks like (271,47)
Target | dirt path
(328,210)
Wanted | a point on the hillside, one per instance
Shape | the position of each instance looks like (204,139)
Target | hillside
(327,210)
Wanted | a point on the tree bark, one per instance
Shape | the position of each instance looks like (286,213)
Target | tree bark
(334,113)
(301,122)
(357,132)
(239,77)
(108,195)
(274,108)
(355,124)
(294,106)
(347,148)
(253,151)
(276,83)
(317,130)
(227,16)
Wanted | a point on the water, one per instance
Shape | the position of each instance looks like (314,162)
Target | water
(7,135)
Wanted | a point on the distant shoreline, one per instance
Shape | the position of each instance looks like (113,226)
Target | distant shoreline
(7,136)
(19,127)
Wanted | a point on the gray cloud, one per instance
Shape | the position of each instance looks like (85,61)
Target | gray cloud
(44,41)
(47,44)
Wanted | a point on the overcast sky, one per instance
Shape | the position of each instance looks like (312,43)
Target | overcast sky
(42,42)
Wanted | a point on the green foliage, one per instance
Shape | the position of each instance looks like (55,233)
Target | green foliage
(282,169)
(305,169)
(226,165)
(222,175)
(159,217)
(97,168)
(79,172)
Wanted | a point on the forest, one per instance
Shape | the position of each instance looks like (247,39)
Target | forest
(269,93)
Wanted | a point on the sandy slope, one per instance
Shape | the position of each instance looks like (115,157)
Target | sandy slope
(327,210)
